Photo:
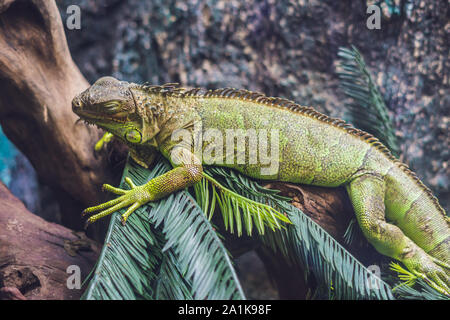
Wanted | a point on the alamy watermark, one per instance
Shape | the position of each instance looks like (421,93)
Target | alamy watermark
(233,146)
(373,283)
(74,279)
(374,20)
(73,21)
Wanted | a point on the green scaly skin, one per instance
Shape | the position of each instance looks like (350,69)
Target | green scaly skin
(396,212)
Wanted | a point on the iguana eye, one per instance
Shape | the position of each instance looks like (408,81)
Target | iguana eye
(133,136)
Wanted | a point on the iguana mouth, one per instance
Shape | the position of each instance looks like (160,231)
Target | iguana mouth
(94,117)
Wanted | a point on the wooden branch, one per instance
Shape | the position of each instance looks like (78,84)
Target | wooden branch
(38,81)
(35,254)
(329,207)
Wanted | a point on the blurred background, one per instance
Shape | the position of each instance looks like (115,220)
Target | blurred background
(282,48)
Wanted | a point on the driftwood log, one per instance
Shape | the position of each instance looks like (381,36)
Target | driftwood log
(35,254)
(38,81)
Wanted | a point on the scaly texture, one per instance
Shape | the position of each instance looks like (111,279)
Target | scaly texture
(396,212)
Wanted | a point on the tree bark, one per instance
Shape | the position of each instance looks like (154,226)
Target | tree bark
(35,254)
(38,80)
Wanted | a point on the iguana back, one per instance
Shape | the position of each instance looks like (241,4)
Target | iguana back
(318,150)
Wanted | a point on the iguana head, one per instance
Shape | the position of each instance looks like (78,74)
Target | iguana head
(111,105)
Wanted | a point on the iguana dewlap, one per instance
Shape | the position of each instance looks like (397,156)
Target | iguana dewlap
(396,212)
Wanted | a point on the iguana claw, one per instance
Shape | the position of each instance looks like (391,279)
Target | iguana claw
(423,266)
(135,197)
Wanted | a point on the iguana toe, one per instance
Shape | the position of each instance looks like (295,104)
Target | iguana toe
(135,197)
(431,273)
(110,188)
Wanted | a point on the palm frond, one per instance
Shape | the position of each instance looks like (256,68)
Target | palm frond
(128,261)
(235,208)
(367,111)
(307,244)
(407,278)
(420,291)
(171,285)
(353,235)
(167,250)
(411,286)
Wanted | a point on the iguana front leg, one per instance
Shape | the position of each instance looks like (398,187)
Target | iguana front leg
(188,172)
(367,193)
(107,137)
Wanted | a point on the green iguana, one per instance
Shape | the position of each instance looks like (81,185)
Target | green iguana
(397,213)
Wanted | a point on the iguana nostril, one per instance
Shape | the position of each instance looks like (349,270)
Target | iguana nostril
(76,104)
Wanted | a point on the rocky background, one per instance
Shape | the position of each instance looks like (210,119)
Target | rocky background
(282,48)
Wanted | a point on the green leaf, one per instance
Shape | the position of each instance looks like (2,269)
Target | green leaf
(237,210)
(367,111)
(167,250)
(308,245)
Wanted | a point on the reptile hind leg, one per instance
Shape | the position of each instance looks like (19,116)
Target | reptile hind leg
(367,193)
